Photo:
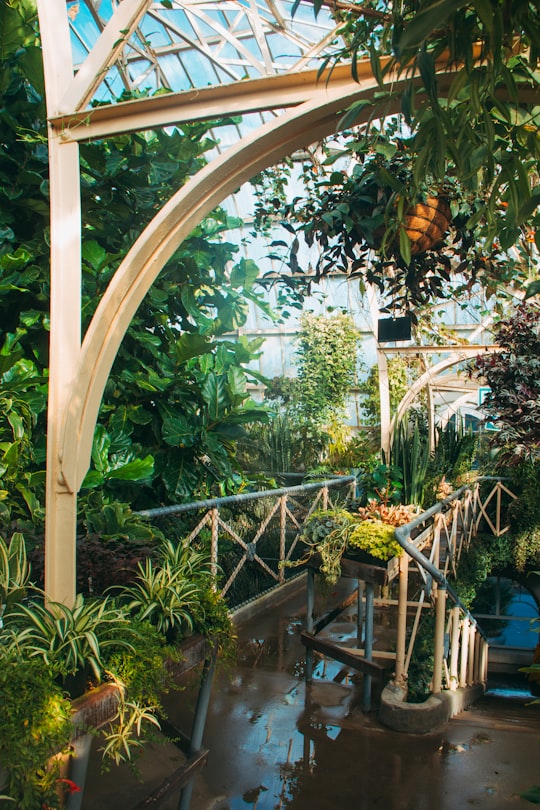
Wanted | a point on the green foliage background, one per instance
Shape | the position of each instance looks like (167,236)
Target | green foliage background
(176,400)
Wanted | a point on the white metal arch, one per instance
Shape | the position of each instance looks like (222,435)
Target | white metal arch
(271,142)
(428,377)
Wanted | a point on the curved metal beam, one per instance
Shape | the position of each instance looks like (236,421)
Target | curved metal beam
(296,128)
(428,376)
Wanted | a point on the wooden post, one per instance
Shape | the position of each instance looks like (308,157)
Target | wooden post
(484,665)
(401,640)
(477,663)
(438,652)
(214,542)
(282,535)
(472,645)
(454,650)
(464,652)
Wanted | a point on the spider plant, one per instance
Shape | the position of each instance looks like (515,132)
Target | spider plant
(69,639)
(169,592)
(14,572)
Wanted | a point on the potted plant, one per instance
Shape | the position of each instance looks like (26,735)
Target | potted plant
(366,535)
(117,641)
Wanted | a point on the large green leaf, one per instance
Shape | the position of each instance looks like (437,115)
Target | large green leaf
(533,289)
(236,384)
(137,470)
(191,344)
(176,429)
(431,17)
(179,477)
(244,274)
(13,28)
(213,392)
(94,254)
(31,61)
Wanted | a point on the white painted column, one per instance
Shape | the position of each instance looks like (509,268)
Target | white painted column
(65,311)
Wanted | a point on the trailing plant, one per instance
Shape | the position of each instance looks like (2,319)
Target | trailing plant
(125,735)
(487,136)
(327,364)
(327,534)
(333,532)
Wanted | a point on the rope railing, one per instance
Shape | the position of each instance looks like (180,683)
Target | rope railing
(238,525)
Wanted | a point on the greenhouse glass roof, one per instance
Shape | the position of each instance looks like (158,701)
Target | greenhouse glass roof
(182,44)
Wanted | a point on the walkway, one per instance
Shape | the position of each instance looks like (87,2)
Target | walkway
(272,746)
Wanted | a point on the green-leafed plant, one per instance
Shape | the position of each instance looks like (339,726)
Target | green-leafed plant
(327,534)
(383,483)
(308,407)
(327,363)
(36,726)
(331,533)
(348,451)
(287,443)
(410,453)
(524,515)
(68,639)
(124,736)
(376,538)
(177,398)
(451,463)
(14,572)
(121,640)
(513,377)
(167,592)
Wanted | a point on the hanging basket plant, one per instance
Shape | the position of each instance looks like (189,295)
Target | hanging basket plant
(373,222)
(426,224)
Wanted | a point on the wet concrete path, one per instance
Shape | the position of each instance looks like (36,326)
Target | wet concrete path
(273,744)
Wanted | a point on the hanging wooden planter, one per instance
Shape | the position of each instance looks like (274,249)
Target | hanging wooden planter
(426,223)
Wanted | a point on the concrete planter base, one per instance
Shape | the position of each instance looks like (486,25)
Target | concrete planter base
(422,718)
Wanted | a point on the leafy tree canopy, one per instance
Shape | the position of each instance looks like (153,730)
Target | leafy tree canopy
(472,140)
(486,124)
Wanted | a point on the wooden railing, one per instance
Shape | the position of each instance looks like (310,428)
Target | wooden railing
(433,543)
